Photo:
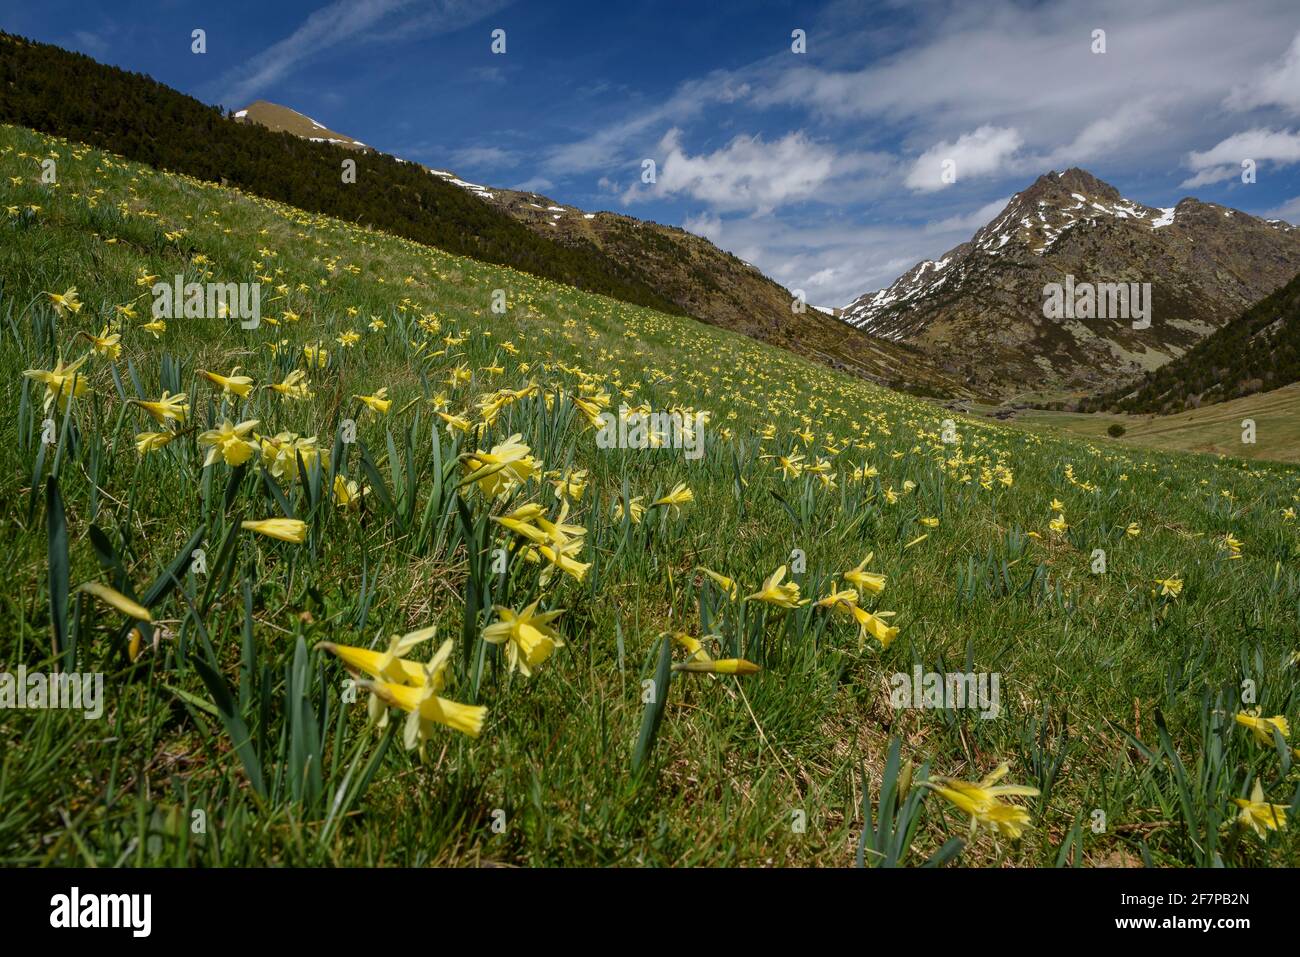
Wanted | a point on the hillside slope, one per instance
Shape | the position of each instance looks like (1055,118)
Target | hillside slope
(979,308)
(235,697)
(51,89)
(276,117)
(1256,353)
(700,279)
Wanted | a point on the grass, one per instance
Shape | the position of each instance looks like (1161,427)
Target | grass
(235,740)
(1214,429)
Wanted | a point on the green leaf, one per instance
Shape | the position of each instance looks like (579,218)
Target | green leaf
(234,723)
(654,709)
(56,527)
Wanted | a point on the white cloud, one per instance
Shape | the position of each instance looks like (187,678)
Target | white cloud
(969,222)
(347,21)
(978,153)
(836,262)
(1223,160)
(538,184)
(92,43)
(484,156)
(1030,67)
(748,173)
(609,147)
(1211,174)
(705,224)
(1289,211)
(1276,85)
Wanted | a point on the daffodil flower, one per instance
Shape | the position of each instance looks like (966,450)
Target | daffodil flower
(66,302)
(379,402)
(1258,815)
(983,801)
(285,529)
(229,442)
(104,344)
(528,636)
(61,382)
(502,470)
(347,494)
(865,580)
(115,598)
(240,385)
(146,442)
(679,496)
(728,586)
(294,386)
(775,593)
(169,408)
(1170,587)
(1262,728)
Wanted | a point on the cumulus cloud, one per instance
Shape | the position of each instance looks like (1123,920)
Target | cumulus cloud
(978,153)
(707,225)
(748,173)
(1278,84)
(1223,160)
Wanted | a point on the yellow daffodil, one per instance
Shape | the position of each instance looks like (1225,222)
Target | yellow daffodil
(1258,815)
(169,408)
(347,494)
(983,801)
(229,442)
(1262,728)
(635,509)
(112,596)
(775,593)
(865,580)
(379,402)
(61,382)
(66,302)
(728,586)
(679,496)
(104,344)
(285,529)
(1169,587)
(529,638)
(295,386)
(502,470)
(146,442)
(240,385)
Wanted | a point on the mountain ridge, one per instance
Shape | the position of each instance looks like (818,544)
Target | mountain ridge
(981,300)
(699,278)
(1258,352)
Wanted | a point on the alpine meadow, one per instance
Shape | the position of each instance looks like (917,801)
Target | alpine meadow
(385,555)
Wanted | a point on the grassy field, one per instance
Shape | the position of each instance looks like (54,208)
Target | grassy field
(1133,715)
(1217,429)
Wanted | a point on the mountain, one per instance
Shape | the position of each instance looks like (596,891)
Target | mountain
(979,308)
(1258,352)
(47,88)
(277,117)
(698,278)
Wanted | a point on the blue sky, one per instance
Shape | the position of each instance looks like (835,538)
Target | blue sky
(821,168)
